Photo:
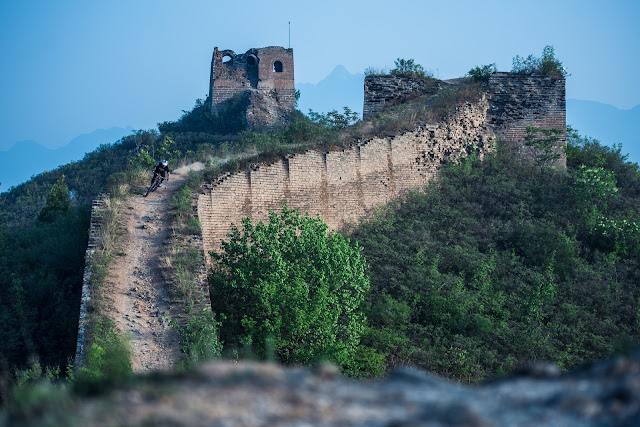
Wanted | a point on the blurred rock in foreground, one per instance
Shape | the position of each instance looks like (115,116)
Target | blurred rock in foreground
(261,394)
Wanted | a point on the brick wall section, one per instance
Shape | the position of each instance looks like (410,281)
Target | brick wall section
(383,91)
(517,101)
(341,186)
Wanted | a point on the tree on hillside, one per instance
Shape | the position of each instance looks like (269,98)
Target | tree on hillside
(58,201)
(290,288)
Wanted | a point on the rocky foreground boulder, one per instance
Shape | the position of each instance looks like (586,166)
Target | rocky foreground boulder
(263,394)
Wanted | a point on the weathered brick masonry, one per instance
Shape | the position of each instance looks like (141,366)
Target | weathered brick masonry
(342,186)
(383,91)
(265,75)
(517,101)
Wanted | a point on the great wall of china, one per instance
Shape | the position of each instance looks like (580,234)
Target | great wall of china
(344,185)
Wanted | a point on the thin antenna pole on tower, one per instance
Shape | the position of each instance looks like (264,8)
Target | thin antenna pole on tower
(289,34)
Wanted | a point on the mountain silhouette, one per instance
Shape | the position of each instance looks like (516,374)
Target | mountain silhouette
(339,89)
(28,158)
(607,124)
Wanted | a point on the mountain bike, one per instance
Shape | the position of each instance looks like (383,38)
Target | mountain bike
(157,180)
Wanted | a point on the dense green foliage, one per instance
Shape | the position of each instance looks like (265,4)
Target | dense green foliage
(501,263)
(409,68)
(58,202)
(482,73)
(547,64)
(108,357)
(335,120)
(290,288)
(41,270)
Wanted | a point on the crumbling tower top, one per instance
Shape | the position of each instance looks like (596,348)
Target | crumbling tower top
(264,74)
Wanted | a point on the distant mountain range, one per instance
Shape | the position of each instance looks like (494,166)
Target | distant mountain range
(607,124)
(28,158)
(339,89)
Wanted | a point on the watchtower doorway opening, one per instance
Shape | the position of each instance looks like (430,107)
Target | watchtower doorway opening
(252,70)
(277,67)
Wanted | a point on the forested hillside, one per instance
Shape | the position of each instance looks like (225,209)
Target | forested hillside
(499,263)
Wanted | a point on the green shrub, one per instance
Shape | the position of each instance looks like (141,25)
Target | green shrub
(230,118)
(199,337)
(543,145)
(408,68)
(365,363)
(335,120)
(182,201)
(547,64)
(482,73)
(291,283)
(107,358)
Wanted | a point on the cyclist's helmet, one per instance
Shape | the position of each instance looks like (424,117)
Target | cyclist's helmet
(165,163)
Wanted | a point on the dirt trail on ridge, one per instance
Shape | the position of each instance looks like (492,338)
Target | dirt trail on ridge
(137,299)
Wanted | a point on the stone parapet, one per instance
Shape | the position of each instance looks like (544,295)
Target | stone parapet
(98,207)
(342,186)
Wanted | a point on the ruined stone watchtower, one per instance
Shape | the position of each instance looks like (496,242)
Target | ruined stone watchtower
(263,75)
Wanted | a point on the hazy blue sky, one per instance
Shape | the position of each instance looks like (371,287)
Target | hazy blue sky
(70,67)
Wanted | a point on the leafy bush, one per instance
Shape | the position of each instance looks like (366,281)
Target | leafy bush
(108,357)
(408,68)
(335,120)
(543,145)
(37,391)
(547,64)
(292,285)
(199,337)
(58,201)
(482,73)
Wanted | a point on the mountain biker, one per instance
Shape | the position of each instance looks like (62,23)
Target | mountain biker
(161,169)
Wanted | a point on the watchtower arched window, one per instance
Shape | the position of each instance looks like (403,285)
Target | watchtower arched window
(252,60)
(227,59)
(277,67)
